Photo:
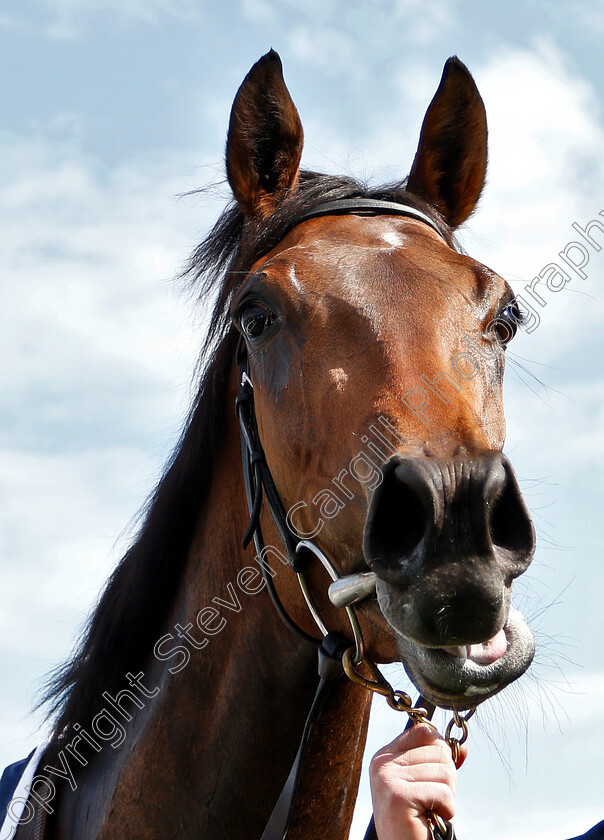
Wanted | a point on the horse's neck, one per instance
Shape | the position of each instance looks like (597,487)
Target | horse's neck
(332,767)
(208,758)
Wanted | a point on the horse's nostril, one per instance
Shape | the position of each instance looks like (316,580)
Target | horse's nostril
(399,518)
(400,522)
(510,525)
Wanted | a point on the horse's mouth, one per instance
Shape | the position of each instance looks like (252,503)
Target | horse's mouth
(461,677)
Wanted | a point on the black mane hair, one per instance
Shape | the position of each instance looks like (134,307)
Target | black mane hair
(127,621)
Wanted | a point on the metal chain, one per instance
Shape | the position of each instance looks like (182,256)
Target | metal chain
(461,721)
(397,700)
(439,829)
(400,701)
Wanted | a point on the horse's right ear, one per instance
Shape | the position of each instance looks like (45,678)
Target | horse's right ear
(264,143)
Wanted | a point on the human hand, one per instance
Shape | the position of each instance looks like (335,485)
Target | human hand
(412,775)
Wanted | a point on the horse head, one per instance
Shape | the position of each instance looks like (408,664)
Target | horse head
(376,351)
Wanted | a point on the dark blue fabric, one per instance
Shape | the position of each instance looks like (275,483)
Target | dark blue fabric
(8,783)
(595,833)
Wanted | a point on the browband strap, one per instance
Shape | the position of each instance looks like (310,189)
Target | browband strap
(370,206)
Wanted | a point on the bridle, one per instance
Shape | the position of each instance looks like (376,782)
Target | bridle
(257,475)
(335,654)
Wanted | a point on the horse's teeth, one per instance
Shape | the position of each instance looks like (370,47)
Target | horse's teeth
(457,651)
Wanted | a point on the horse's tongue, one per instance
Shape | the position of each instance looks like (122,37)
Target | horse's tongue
(485,652)
(490,651)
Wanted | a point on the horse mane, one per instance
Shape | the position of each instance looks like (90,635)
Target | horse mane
(128,618)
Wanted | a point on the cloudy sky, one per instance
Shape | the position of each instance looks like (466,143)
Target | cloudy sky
(110,110)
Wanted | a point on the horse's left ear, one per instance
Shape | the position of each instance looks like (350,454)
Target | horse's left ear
(264,143)
(451,161)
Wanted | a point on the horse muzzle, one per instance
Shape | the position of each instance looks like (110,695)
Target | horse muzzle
(445,539)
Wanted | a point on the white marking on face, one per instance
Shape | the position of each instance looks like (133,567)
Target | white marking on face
(339,378)
(294,280)
(394,238)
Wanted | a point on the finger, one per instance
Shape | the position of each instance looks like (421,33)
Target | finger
(420,735)
(439,752)
(425,772)
(401,810)
(436,797)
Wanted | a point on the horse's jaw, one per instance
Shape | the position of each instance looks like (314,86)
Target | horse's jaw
(461,677)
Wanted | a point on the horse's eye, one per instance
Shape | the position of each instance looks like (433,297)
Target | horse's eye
(505,325)
(255,319)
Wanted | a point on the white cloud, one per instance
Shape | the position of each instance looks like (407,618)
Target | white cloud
(545,171)
(13,23)
(258,11)
(72,17)
(89,257)
(423,23)
(589,17)
(326,46)
(377,26)
(98,351)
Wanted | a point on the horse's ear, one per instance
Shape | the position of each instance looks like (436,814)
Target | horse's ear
(264,143)
(451,160)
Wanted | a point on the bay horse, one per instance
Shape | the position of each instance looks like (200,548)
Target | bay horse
(365,353)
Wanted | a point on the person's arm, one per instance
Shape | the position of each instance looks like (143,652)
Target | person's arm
(413,774)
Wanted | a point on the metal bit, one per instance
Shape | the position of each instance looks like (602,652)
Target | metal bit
(351,589)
